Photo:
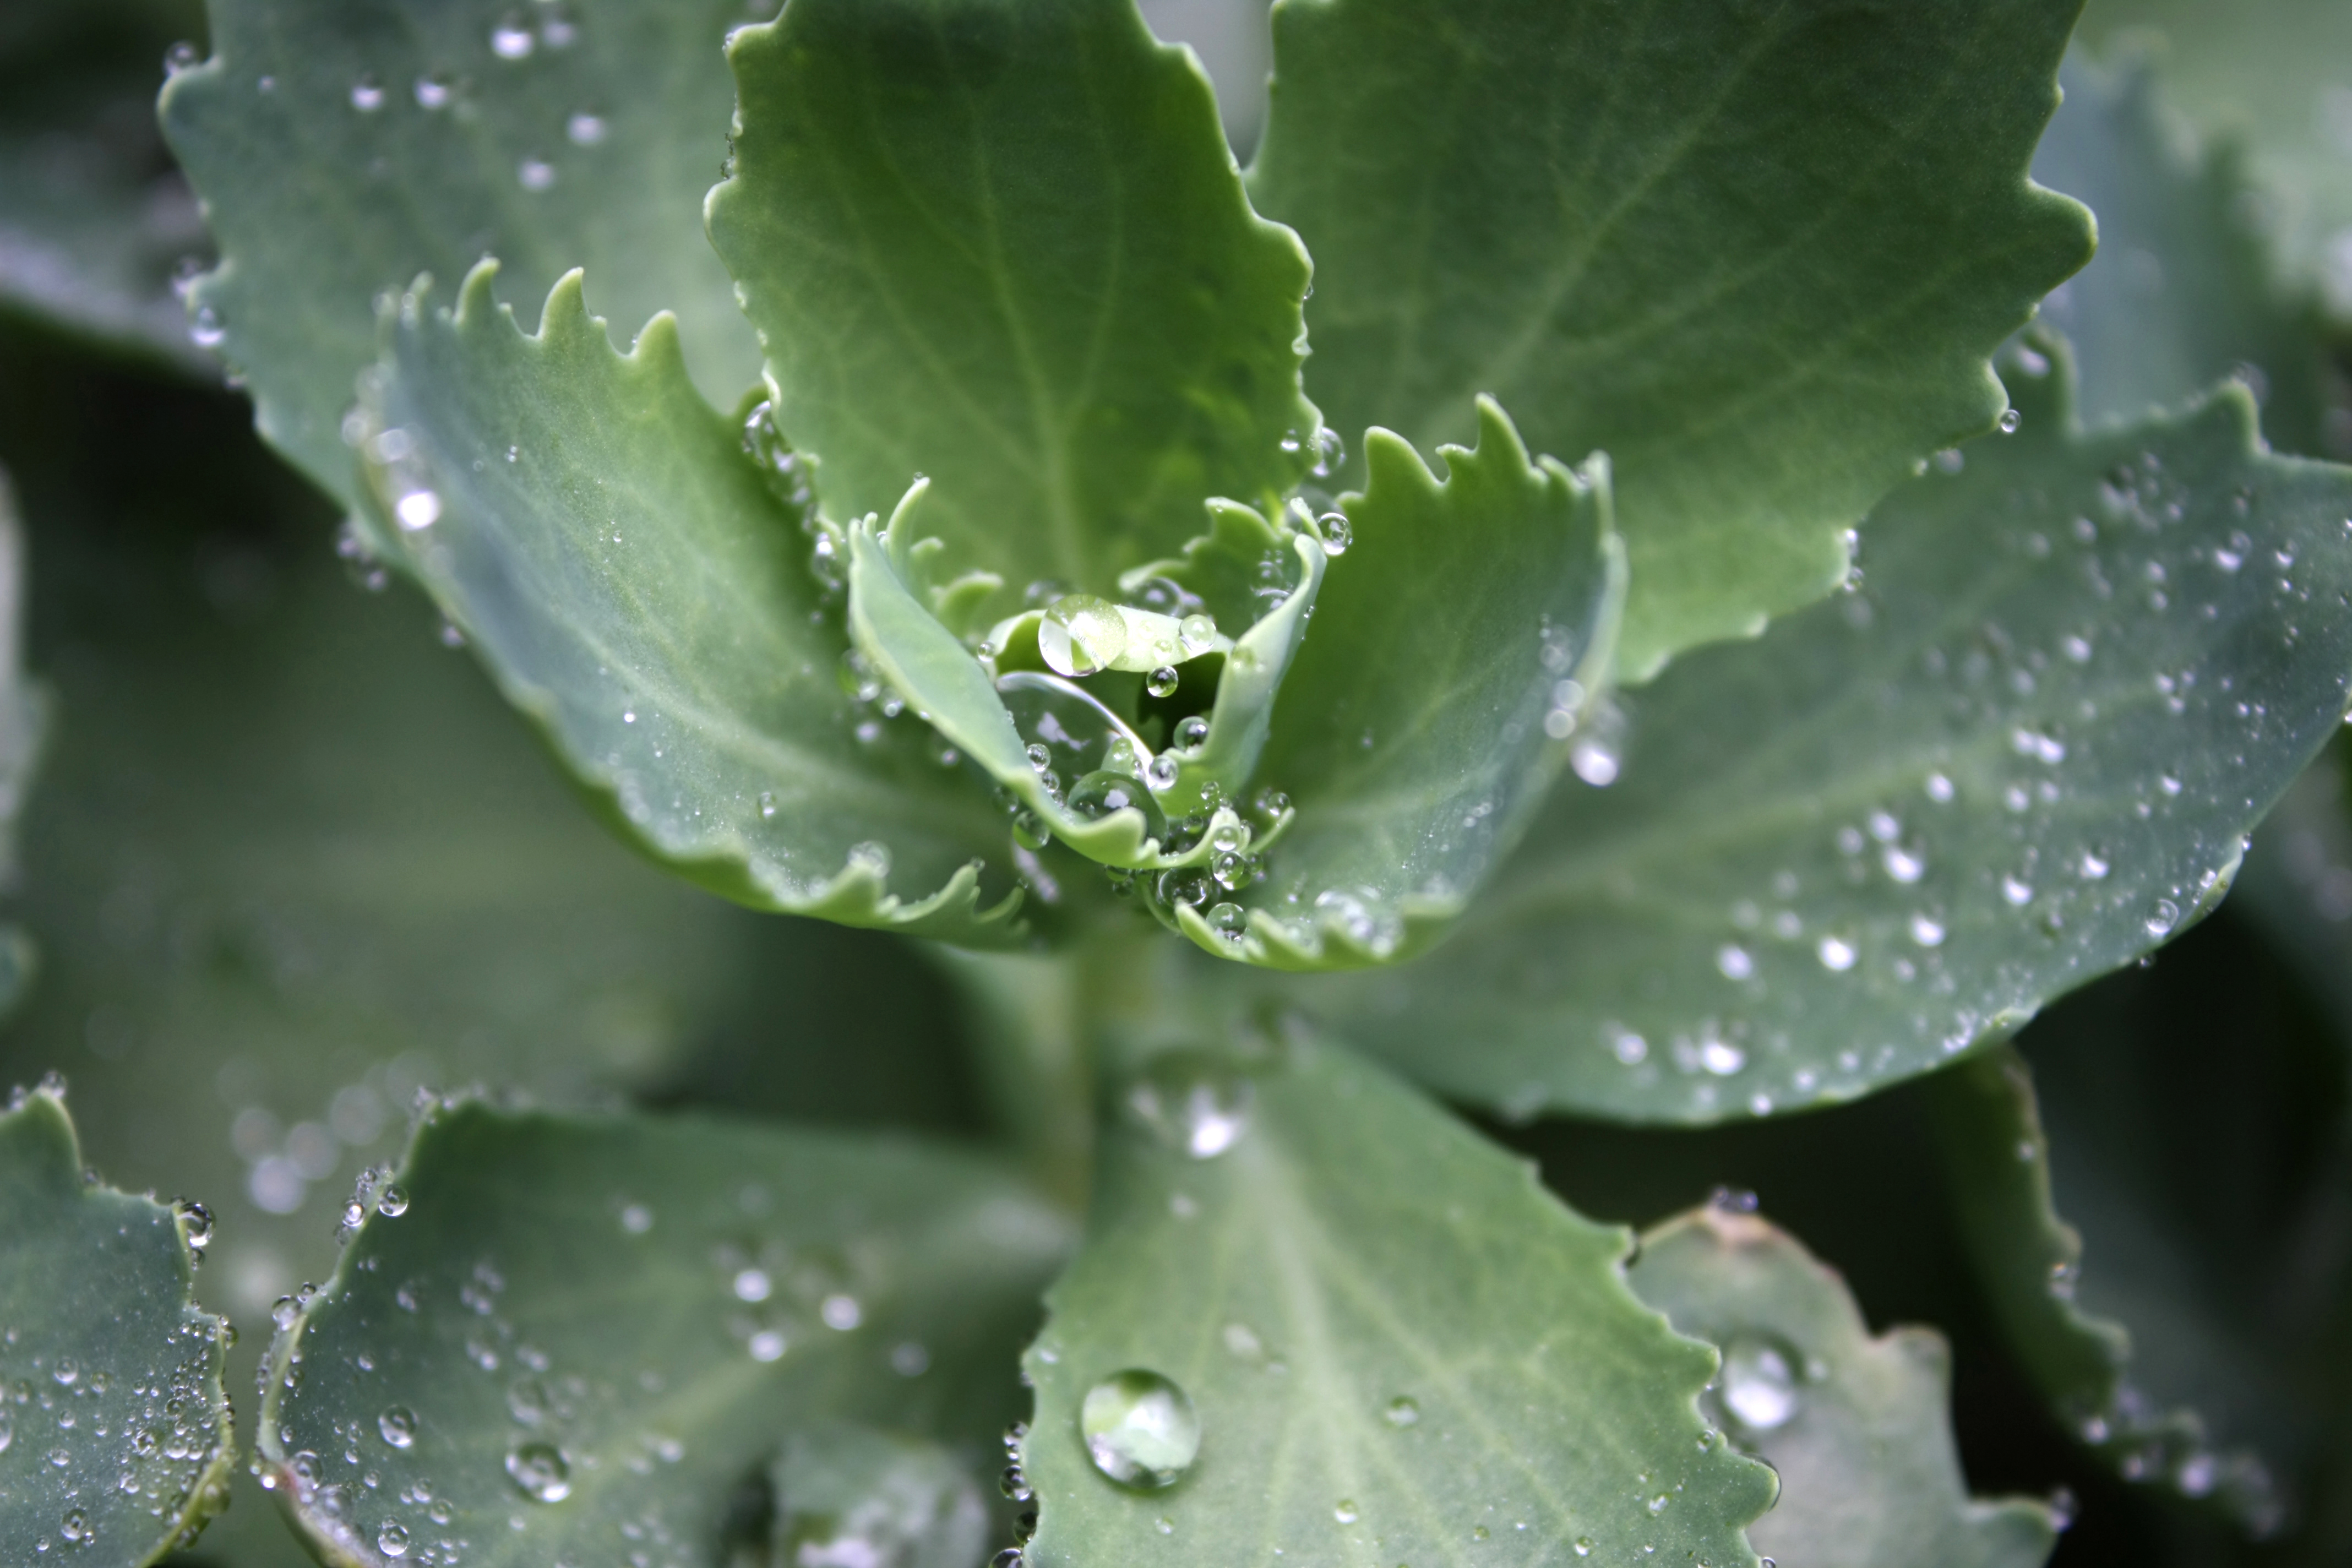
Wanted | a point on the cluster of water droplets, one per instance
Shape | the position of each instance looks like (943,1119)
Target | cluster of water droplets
(115,1455)
(2071,800)
(546,28)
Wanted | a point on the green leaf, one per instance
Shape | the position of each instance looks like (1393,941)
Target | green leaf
(1758,254)
(341,150)
(1857,1427)
(852,1496)
(117,1444)
(1396,1345)
(1005,245)
(2076,673)
(604,541)
(2180,296)
(1459,645)
(2083,1347)
(2271,76)
(93,216)
(571,1330)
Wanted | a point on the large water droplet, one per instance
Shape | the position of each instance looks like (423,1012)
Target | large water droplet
(1195,1102)
(1760,1382)
(512,39)
(1141,1428)
(393,1539)
(1098,795)
(539,1471)
(1081,634)
(398,1426)
(1197,633)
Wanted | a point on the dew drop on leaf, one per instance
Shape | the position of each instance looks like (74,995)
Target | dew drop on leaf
(393,1539)
(1193,1102)
(1081,634)
(1759,1383)
(539,1471)
(398,1427)
(1140,1429)
(1162,681)
(1402,1412)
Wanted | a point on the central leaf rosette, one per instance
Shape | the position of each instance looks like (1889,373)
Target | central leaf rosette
(1137,730)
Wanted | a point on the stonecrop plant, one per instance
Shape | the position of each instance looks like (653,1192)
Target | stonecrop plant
(1626,566)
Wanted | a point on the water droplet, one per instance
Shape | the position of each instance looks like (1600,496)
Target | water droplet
(636,1219)
(367,95)
(1162,681)
(2018,893)
(1927,931)
(2167,915)
(1162,774)
(1195,1102)
(1097,795)
(1721,1058)
(75,1526)
(1345,1511)
(2010,420)
(1595,762)
(1903,865)
(1939,788)
(841,1312)
(539,1471)
(1330,450)
(418,509)
(432,92)
(1337,534)
(1197,633)
(1192,733)
(391,1203)
(512,39)
(1733,961)
(753,1285)
(1228,919)
(1402,1412)
(180,56)
(1081,634)
(398,1426)
(1836,955)
(1584,1546)
(767,1345)
(535,174)
(285,1311)
(1140,1429)
(870,856)
(205,329)
(1760,1382)
(584,130)
(393,1539)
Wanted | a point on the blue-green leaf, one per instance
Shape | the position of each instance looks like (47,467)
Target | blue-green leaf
(1004,244)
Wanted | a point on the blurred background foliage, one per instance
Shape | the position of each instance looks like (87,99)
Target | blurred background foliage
(287,859)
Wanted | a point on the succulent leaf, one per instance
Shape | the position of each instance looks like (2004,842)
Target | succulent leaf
(620,564)
(126,1451)
(2026,751)
(1388,1338)
(1760,255)
(1858,1427)
(566,1327)
(342,150)
(1004,246)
